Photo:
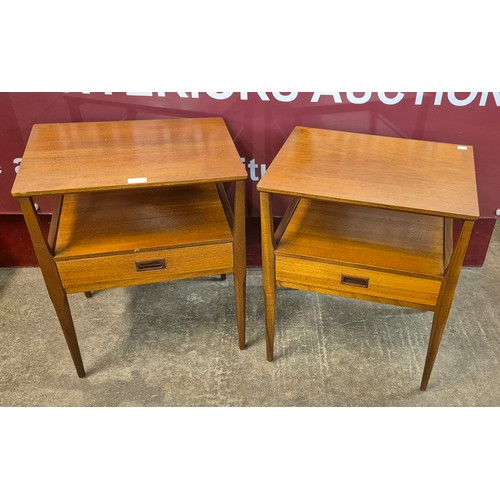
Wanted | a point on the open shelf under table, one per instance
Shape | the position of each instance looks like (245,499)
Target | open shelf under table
(135,220)
(363,252)
(131,237)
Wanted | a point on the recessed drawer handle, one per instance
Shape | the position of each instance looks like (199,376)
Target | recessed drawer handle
(150,265)
(354,281)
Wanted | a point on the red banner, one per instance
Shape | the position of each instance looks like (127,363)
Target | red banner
(260,122)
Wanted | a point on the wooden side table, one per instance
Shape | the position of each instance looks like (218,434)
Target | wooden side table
(370,218)
(137,202)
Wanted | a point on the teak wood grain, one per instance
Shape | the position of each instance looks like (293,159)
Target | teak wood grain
(134,221)
(52,281)
(374,223)
(445,300)
(400,174)
(353,295)
(285,220)
(108,232)
(268,270)
(397,288)
(239,260)
(96,156)
(365,237)
(448,242)
(54,224)
(225,204)
(109,271)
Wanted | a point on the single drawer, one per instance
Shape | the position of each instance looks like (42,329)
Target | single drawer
(108,271)
(356,282)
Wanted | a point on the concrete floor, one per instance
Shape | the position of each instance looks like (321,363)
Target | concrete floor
(175,344)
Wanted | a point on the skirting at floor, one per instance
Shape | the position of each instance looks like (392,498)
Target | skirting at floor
(175,344)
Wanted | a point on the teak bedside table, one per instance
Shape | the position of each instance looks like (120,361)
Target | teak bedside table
(371,218)
(138,202)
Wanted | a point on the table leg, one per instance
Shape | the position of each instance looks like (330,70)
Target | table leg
(239,259)
(268,269)
(445,300)
(52,281)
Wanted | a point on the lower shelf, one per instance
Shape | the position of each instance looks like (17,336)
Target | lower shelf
(363,253)
(126,238)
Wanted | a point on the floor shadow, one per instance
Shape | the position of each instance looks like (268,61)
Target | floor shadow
(176,316)
(5,277)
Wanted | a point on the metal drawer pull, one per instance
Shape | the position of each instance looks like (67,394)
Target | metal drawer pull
(354,281)
(150,265)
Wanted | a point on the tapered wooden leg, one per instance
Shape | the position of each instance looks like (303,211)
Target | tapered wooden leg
(52,281)
(268,269)
(239,260)
(88,295)
(66,320)
(438,324)
(445,300)
(270,305)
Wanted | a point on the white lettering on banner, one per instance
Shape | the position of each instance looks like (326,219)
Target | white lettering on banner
(357,98)
(253,167)
(391,100)
(484,97)
(262,95)
(335,95)
(461,102)
(419,98)
(243,95)
(438,99)
(285,98)
(17,162)
(220,95)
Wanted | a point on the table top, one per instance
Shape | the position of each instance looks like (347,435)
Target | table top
(403,174)
(104,156)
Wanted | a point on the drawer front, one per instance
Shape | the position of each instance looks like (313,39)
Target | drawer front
(96,273)
(352,281)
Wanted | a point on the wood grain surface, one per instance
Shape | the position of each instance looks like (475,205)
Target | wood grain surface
(352,295)
(380,285)
(95,156)
(132,221)
(268,270)
(109,271)
(402,174)
(445,300)
(366,237)
(52,281)
(239,263)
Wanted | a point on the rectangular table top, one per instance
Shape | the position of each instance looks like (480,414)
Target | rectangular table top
(403,174)
(96,156)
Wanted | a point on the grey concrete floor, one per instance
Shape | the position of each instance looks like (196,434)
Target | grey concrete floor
(175,344)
